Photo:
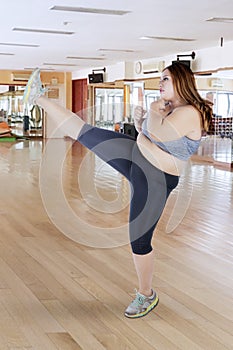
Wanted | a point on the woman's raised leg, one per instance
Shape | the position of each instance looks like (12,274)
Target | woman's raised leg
(70,123)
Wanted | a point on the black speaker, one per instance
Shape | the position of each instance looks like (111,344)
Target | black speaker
(11,88)
(96,78)
(185,62)
(129,129)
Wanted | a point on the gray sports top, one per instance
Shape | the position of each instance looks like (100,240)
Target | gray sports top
(181,148)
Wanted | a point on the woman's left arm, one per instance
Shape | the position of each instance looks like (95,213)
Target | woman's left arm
(167,124)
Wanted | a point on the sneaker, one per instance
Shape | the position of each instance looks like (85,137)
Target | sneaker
(33,88)
(141,305)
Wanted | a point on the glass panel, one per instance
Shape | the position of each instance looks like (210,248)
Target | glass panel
(218,144)
(151,96)
(22,120)
(108,107)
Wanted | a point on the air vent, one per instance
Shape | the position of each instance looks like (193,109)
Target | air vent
(90,10)
(154,67)
(216,83)
(20,76)
(203,74)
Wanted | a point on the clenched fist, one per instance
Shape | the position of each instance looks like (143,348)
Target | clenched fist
(139,113)
(139,116)
(161,107)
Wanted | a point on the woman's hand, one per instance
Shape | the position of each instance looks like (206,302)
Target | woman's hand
(161,108)
(139,116)
(139,113)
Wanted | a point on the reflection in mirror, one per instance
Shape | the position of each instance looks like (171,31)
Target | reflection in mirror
(151,96)
(22,120)
(108,107)
(217,144)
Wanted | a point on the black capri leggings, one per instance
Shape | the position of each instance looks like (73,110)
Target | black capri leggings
(150,187)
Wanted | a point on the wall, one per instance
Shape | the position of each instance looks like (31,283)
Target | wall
(113,72)
(63,80)
(207,84)
(60,91)
(212,58)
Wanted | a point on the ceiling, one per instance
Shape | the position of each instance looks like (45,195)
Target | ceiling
(95,38)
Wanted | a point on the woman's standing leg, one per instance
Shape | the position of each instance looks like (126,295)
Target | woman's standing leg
(151,188)
(144,266)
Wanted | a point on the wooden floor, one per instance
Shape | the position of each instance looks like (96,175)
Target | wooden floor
(216,150)
(70,294)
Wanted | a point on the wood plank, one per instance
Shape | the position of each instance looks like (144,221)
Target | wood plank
(64,341)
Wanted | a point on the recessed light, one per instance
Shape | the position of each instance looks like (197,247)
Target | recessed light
(60,64)
(42,31)
(149,37)
(33,68)
(6,54)
(20,45)
(90,10)
(145,38)
(117,50)
(220,19)
(85,58)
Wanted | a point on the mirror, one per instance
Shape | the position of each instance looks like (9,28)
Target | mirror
(22,120)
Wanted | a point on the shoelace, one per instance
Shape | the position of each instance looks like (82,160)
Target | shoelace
(139,299)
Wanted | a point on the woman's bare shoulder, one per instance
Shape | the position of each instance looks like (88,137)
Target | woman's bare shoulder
(185,111)
(186,108)
(186,119)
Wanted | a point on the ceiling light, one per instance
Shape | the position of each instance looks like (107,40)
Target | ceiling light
(60,64)
(220,19)
(85,58)
(33,68)
(147,37)
(20,45)
(42,31)
(117,50)
(90,10)
(6,54)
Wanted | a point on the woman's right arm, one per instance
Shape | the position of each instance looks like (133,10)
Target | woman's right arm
(139,117)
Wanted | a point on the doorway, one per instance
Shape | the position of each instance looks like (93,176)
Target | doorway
(79,98)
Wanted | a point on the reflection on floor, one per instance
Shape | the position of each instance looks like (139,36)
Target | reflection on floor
(216,150)
(17,129)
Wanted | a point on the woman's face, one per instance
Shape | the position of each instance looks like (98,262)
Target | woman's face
(166,86)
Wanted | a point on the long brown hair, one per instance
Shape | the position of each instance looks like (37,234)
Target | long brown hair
(185,86)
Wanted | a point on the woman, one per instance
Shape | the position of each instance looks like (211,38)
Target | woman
(167,138)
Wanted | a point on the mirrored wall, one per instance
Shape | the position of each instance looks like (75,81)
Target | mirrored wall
(217,144)
(22,120)
(109,107)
